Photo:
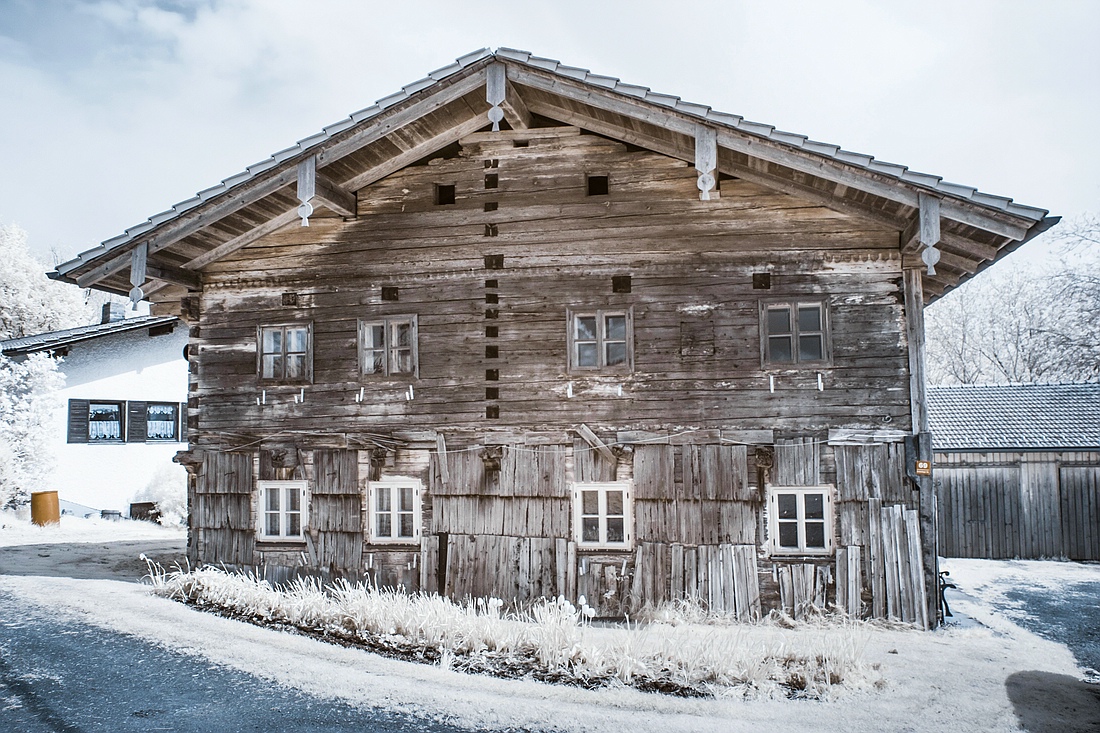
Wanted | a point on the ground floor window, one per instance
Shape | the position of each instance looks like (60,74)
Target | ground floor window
(800,520)
(283,510)
(394,511)
(603,515)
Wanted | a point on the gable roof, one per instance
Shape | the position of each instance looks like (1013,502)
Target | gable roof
(60,339)
(452,102)
(1015,417)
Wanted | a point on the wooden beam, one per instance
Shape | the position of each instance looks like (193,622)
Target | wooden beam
(593,440)
(706,159)
(929,215)
(269,226)
(836,171)
(515,111)
(914,330)
(174,275)
(336,198)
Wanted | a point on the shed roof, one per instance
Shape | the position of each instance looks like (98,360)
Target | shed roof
(1015,417)
(59,339)
(448,103)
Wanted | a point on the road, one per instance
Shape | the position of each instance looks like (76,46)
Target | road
(1071,617)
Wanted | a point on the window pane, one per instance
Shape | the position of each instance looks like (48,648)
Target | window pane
(406,525)
(273,367)
(616,328)
(614,503)
(293,500)
(586,355)
(779,349)
(382,498)
(779,320)
(788,506)
(375,362)
(815,535)
(294,525)
(809,348)
(788,534)
(104,421)
(616,354)
(273,524)
(402,333)
(297,339)
(160,422)
(590,502)
(809,318)
(590,529)
(273,340)
(374,336)
(615,531)
(586,328)
(272,500)
(383,525)
(406,499)
(815,506)
(402,361)
(295,366)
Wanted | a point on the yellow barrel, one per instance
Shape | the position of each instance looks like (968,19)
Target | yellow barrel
(45,508)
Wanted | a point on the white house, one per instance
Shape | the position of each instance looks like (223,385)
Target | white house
(122,415)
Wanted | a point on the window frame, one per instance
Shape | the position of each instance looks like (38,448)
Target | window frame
(373,537)
(262,487)
(603,487)
(828,493)
(307,378)
(386,322)
(175,424)
(601,315)
(792,305)
(122,415)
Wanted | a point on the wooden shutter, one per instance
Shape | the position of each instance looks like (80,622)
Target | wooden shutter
(136,417)
(181,434)
(78,421)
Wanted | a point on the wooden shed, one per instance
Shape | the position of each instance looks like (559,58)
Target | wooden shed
(1018,470)
(524,330)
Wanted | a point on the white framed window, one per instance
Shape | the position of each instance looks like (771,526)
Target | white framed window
(800,520)
(601,340)
(603,515)
(795,332)
(387,346)
(394,511)
(283,510)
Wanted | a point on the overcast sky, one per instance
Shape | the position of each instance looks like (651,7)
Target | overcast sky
(112,111)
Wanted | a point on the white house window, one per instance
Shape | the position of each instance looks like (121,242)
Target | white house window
(104,421)
(394,511)
(283,510)
(800,520)
(387,346)
(601,340)
(161,421)
(795,333)
(285,353)
(603,515)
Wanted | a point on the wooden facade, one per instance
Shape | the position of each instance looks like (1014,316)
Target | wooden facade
(496,327)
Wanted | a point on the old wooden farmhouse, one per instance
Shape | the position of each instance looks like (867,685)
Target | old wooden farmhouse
(523,330)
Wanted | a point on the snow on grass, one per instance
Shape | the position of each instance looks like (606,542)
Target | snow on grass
(16,529)
(551,641)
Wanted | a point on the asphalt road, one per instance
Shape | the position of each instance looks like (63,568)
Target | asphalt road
(60,677)
(1071,617)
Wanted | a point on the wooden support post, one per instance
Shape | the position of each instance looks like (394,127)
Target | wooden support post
(706,159)
(593,440)
(929,230)
(307,175)
(138,257)
(494,93)
(914,331)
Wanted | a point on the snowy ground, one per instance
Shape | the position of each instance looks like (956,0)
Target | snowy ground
(987,677)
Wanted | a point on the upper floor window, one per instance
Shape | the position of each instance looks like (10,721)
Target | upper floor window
(161,421)
(387,346)
(800,520)
(394,511)
(286,353)
(601,340)
(105,422)
(283,510)
(795,332)
(603,515)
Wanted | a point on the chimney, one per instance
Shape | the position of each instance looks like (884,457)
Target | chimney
(113,312)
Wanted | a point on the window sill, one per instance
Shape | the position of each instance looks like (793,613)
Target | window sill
(800,554)
(414,542)
(604,548)
(276,543)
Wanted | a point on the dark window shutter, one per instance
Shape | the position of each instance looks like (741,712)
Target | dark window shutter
(181,436)
(136,417)
(78,421)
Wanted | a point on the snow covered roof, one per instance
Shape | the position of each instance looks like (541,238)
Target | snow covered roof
(1015,417)
(58,339)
